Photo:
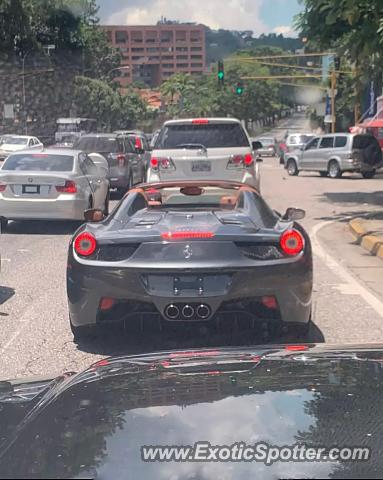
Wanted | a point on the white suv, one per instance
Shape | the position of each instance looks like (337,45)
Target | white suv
(204,148)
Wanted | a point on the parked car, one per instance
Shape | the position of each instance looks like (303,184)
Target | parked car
(335,154)
(269,146)
(207,251)
(294,141)
(53,184)
(13,143)
(126,165)
(322,400)
(201,148)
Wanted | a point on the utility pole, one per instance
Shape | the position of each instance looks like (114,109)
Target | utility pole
(333,89)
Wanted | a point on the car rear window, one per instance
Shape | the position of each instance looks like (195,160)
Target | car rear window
(39,163)
(363,141)
(213,135)
(98,144)
(267,141)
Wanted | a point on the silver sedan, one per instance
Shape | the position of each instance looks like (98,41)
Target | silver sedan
(53,184)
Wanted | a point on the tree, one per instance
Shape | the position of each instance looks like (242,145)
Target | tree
(354,30)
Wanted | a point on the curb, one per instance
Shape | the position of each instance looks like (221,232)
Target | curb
(366,239)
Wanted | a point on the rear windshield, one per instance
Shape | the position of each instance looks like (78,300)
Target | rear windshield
(39,163)
(16,141)
(363,141)
(266,141)
(97,144)
(212,135)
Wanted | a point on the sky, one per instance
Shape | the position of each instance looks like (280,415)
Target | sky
(261,16)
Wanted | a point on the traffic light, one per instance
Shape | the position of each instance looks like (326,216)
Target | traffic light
(221,73)
(239,89)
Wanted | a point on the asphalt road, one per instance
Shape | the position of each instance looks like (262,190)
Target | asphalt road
(35,338)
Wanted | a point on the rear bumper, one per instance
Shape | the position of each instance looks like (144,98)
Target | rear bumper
(290,284)
(63,208)
(243,176)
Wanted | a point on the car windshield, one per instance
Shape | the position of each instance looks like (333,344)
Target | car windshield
(16,141)
(97,144)
(267,141)
(39,162)
(211,135)
(68,127)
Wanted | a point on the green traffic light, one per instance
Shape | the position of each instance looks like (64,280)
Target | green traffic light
(239,90)
(221,75)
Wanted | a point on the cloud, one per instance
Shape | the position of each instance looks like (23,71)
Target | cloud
(285,30)
(238,14)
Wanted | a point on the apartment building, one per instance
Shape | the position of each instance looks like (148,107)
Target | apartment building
(154,53)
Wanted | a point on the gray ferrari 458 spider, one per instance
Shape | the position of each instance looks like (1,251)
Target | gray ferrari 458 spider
(207,252)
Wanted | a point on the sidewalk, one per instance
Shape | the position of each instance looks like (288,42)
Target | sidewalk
(368,232)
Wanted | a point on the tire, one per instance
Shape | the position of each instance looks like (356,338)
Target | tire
(334,170)
(84,332)
(323,174)
(292,168)
(370,174)
(3,224)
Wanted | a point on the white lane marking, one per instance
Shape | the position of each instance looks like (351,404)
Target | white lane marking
(341,272)
(23,322)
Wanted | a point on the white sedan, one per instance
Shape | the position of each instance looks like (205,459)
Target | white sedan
(13,143)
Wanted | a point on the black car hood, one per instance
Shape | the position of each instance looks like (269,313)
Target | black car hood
(94,423)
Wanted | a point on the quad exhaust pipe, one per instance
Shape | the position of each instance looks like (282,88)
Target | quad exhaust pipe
(187,312)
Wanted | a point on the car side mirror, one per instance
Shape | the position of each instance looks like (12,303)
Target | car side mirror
(294,214)
(94,215)
(256,145)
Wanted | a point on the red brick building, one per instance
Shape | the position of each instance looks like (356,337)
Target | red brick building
(155,53)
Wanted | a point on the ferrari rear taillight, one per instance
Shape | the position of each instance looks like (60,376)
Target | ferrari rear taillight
(162,163)
(121,160)
(85,244)
(292,242)
(68,187)
(186,235)
(3,186)
(240,161)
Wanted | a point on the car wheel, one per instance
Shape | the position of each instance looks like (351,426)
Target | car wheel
(3,224)
(334,170)
(370,174)
(292,168)
(82,333)
(323,174)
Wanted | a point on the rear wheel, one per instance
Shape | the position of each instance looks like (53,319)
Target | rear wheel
(3,223)
(292,168)
(323,174)
(334,170)
(370,174)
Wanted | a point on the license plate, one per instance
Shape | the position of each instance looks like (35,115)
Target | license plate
(201,166)
(31,188)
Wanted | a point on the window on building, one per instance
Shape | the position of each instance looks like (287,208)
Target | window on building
(196,57)
(138,50)
(121,36)
(167,65)
(182,65)
(182,57)
(181,49)
(197,65)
